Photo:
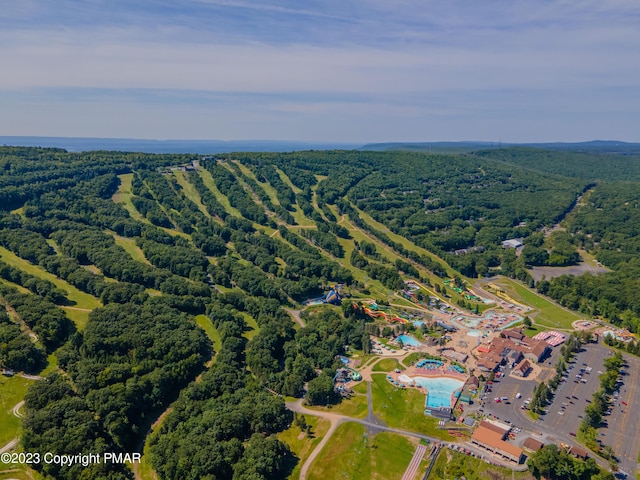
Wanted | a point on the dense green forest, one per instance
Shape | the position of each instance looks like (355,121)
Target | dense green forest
(156,240)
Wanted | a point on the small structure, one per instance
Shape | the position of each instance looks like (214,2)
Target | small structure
(7,372)
(522,369)
(532,444)
(512,243)
(443,413)
(579,452)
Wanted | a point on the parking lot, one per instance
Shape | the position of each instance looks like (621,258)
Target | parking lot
(622,430)
(560,420)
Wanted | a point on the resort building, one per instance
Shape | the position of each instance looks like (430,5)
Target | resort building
(491,438)
(532,444)
(522,369)
(510,347)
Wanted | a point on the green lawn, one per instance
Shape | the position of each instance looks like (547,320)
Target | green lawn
(129,245)
(548,313)
(12,391)
(452,464)
(82,300)
(205,324)
(386,365)
(360,387)
(412,358)
(252,324)
(403,408)
(78,317)
(352,454)
(354,407)
(302,445)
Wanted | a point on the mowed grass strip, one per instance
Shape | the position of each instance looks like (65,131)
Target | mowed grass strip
(124,194)
(211,185)
(302,444)
(129,245)
(353,454)
(205,324)
(82,300)
(403,408)
(190,191)
(386,365)
(548,314)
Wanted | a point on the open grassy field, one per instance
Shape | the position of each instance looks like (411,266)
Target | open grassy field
(205,324)
(452,464)
(354,455)
(403,408)
(81,299)
(129,245)
(78,316)
(302,445)
(386,365)
(360,388)
(12,391)
(354,407)
(548,314)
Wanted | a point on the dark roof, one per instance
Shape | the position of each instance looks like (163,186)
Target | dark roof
(532,444)
(579,452)
(492,427)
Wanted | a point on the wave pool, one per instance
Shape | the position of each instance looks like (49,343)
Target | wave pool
(439,390)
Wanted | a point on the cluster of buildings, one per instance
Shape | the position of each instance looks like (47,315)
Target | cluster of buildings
(514,348)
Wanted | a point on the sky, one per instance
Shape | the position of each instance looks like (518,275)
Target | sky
(330,70)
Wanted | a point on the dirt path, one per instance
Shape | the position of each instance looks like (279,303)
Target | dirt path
(16,318)
(10,446)
(296,316)
(16,410)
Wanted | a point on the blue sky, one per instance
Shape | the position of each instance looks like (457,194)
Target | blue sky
(352,71)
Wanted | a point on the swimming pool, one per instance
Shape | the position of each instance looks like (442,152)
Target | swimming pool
(407,340)
(439,389)
(474,333)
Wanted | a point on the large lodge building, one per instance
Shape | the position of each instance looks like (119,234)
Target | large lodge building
(512,346)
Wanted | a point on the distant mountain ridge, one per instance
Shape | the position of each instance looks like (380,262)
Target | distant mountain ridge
(594,146)
(82,144)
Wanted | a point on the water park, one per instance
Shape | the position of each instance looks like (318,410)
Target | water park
(491,320)
(441,381)
(333,297)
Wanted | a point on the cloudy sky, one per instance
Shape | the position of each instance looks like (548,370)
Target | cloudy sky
(330,70)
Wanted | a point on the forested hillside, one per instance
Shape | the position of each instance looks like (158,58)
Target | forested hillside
(107,258)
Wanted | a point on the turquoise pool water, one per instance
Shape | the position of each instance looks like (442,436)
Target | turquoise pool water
(407,340)
(439,389)
(474,333)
